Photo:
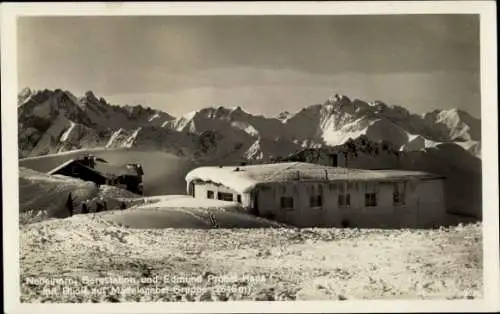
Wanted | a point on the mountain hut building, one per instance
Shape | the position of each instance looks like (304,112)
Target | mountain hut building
(312,195)
(101,172)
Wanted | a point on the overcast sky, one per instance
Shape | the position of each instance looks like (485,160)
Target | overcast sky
(265,64)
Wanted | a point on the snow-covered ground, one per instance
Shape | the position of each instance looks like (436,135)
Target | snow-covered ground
(43,197)
(184,211)
(90,258)
(176,248)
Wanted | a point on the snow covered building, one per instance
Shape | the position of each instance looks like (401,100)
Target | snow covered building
(312,195)
(90,168)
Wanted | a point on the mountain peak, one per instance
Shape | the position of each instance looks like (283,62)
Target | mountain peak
(90,96)
(24,95)
(237,109)
(25,91)
(284,115)
(338,99)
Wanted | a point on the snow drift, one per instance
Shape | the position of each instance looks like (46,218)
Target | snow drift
(42,196)
(182,211)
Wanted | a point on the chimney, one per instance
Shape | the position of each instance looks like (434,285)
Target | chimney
(91,161)
(139,169)
(86,160)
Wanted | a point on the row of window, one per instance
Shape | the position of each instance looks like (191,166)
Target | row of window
(344,200)
(112,181)
(224,196)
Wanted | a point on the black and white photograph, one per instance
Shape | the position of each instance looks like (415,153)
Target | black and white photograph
(187,157)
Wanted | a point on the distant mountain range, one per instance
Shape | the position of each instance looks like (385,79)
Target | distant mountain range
(374,135)
(52,121)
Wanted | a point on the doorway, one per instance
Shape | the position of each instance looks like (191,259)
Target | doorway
(255,203)
(334,160)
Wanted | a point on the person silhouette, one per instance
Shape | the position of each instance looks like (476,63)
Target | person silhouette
(69,204)
(99,207)
(85,209)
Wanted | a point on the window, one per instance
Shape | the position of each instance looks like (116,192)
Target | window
(316,198)
(398,195)
(370,199)
(225,196)
(286,202)
(342,188)
(316,201)
(344,196)
(371,195)
(238,198)
(344,200)
(210,194)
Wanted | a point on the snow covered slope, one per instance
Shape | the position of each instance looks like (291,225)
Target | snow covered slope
(339,119)
(184,211)
(54,121)
(42,196)
(334,123)
(259,264)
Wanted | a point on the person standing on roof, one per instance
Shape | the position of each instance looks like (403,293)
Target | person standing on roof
(69,204)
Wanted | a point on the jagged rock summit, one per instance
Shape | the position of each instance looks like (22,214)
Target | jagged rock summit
(52,121)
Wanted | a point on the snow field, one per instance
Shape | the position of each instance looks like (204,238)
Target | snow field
(170,264)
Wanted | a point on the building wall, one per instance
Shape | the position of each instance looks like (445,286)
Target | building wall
(424,203)
(201,189)
(431,204)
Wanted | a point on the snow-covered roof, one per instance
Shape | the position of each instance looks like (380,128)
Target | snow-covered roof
(113,170)
(104,168)
(245,178)
(61,166)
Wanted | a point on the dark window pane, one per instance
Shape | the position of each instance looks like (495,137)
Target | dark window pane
(225,196)
(210,194)
(286,202)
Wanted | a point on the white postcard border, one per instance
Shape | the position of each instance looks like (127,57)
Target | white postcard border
(489,101)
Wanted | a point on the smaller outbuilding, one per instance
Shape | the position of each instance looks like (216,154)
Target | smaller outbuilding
(101,172)
(312,195)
